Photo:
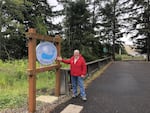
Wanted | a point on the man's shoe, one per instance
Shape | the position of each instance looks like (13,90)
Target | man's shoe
(84,98)
(74,96)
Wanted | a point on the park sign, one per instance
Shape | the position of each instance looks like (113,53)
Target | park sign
(46,53)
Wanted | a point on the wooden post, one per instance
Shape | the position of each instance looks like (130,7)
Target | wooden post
(32,76)
(57,83)
(32,70)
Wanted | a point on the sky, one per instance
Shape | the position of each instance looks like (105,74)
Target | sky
(53,2)
(58,7)
(126,38)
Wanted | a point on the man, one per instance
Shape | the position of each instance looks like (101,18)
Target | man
(78,71)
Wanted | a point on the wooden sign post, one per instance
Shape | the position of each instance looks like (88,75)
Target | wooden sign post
(32,70)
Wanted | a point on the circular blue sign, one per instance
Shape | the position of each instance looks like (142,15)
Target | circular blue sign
(46,53)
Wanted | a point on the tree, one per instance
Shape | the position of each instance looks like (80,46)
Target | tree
(111,24)
(78,28)
(10,30)
(14,24)
(140,18)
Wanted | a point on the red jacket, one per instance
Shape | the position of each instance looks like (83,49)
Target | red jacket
(76,69)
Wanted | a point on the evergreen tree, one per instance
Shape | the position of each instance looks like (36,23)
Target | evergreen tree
(78,29)
(14,24)
(111,24)
(11,36)
(140,18)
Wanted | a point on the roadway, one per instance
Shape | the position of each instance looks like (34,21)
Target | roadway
(124,87)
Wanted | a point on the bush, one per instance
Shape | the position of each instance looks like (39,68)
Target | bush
(118,57)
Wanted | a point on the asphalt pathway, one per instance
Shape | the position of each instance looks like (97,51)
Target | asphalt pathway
(123,88)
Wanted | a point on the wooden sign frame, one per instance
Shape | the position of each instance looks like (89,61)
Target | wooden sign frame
(32,70)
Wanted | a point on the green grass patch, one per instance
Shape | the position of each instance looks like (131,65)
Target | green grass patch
(11,100)
(128,57)
(14,83)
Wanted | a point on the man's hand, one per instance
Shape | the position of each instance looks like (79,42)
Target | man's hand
(83,76)
(59,58)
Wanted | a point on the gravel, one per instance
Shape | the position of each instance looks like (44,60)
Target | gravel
(41,107)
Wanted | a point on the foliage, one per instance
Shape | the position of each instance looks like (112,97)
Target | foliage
(84,28)
(79,33)
(14,83)
(112,23)
(118,57)
(11,101)
(140,25)
(128,57)
(14,23)
(88,25)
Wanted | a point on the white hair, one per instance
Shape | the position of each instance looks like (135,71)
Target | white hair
(76,51)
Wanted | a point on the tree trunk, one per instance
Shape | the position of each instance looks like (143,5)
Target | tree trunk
(114,28)
(148,36)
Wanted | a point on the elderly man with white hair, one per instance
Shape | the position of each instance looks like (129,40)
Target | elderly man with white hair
(78,71)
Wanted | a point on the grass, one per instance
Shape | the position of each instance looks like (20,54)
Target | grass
(128,57)
(14,83)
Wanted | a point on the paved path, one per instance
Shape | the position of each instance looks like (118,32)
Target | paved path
(123,88)
(130,50)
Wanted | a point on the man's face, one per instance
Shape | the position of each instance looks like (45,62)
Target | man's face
(76,54)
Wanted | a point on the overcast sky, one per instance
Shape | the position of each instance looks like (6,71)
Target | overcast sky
(55,3)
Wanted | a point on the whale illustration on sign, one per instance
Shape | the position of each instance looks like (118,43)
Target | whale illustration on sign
(46,53)
(46,56)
